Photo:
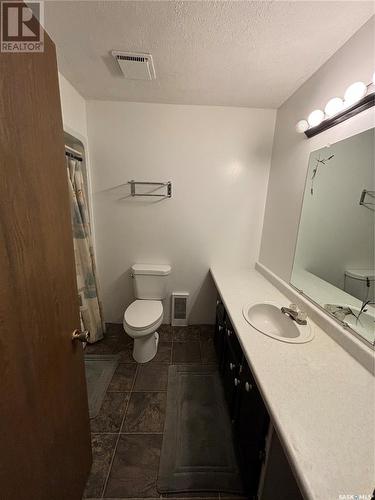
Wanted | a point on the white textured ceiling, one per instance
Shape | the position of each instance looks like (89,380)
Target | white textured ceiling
(232,53)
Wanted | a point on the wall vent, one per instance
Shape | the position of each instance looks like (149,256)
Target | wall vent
(179,308)
(135,66)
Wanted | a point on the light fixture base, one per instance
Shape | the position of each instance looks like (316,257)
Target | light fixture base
(368,101)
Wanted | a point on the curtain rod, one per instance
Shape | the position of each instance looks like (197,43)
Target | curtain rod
(73,153)
(74,157)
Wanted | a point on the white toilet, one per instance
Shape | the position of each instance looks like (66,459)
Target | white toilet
(144,316)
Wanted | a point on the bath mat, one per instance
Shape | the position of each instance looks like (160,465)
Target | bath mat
(197,452)
(99,372)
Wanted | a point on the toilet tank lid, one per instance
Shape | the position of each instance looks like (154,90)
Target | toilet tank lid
(361,274)
(151,269)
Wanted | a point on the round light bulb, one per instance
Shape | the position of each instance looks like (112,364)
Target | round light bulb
(354,93)
(315,118)
(334,106)
(302,126)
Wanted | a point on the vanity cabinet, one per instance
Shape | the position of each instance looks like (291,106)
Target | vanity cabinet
(245,405)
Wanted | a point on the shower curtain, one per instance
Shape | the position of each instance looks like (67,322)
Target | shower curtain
(90,306)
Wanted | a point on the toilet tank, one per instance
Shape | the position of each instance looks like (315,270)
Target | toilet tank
(150,281)
(360,283)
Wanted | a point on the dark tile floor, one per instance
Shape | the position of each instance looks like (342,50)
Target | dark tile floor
(128,432)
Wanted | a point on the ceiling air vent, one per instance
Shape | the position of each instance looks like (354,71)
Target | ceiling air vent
(135,66)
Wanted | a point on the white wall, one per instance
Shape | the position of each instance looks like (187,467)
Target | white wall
(354,61)
(73,107)
(218,160)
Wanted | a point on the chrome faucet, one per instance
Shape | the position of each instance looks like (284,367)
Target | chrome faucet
(296,315)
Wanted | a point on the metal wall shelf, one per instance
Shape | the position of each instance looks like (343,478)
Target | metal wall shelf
(168,185)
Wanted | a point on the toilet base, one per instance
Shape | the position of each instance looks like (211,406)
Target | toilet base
(145,348)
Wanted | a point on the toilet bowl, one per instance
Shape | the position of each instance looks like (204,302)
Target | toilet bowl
(144,315)
(141,320)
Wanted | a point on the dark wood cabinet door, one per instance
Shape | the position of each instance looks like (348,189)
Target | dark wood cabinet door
(219,336)
(279,481)
(44,422)
(230,378)
(230,367)
(251,426)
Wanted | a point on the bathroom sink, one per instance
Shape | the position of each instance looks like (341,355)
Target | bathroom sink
(267,318)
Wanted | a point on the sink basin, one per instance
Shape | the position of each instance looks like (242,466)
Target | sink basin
(267,318)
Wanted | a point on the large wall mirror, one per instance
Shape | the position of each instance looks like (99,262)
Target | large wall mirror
(334,259)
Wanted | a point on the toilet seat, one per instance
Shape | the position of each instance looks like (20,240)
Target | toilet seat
(141,315)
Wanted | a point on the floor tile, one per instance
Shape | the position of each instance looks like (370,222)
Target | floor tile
(122,380)
(108,345)
(185,333)
(200,495)
(227,496)
(164,354)
(103,446)
(146,412)
(207,332)
(111,413)
(208,351)
(186,352)
(151,377)
(126,354)
(135,467)
(119,344)
(165,333)
(100,347)
(114,329)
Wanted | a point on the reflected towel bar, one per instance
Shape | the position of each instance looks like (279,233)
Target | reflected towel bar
(168,185)
(365,203)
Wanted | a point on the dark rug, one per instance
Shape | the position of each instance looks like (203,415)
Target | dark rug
(99,372)
(197,452)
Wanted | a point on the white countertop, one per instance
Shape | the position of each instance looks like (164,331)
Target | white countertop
(320,399)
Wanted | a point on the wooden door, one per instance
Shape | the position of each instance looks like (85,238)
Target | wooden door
(45,450)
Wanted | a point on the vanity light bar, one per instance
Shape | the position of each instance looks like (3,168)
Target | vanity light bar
(358,97)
